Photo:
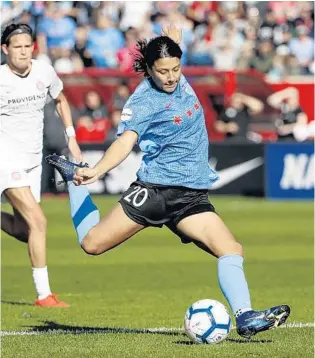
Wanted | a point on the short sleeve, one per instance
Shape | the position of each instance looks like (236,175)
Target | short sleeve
(56,85)
(136,116)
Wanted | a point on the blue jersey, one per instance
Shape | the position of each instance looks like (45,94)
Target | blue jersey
(172,135)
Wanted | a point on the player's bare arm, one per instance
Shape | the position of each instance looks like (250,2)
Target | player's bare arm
(114,155)
(64,111)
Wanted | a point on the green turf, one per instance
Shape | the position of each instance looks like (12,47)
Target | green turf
(152,279)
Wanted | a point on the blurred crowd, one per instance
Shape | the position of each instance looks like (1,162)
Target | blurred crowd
(274,37)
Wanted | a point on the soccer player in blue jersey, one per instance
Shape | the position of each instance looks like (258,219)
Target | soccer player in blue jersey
(166,120)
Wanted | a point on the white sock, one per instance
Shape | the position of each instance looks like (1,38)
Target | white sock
(41,282)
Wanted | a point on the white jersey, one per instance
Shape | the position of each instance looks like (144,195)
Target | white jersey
(22,102)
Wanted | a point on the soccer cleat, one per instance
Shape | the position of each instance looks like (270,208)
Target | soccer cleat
(51,301)
(65,167)
(251,322)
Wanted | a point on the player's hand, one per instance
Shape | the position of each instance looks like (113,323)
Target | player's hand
(85,176)
(173,32)
(75,149)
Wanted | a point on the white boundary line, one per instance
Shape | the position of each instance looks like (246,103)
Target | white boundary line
(121,330)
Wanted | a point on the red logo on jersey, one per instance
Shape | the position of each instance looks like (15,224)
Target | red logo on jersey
(196,105)
(177,120)
(189,113)
(40,85)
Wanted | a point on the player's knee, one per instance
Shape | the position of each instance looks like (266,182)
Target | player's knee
(234,248)
(91,248)
(38,222)
(238,249)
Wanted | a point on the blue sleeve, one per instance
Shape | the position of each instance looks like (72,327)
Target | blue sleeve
(136,116)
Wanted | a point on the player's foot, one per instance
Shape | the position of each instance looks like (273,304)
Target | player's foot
(51,301)
(64,166)
(251,322)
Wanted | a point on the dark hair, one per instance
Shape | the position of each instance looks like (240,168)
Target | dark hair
(15,29)
(149,52)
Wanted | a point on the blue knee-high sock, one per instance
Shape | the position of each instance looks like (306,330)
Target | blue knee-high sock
(84,213)
(233,282)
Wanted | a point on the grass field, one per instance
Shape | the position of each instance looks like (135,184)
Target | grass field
(150,281)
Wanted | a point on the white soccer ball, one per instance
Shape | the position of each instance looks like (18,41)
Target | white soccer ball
(207,321)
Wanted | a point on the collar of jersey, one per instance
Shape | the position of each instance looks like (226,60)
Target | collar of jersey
(176,93)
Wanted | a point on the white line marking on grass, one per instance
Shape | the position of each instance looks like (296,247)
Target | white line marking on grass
(43,331)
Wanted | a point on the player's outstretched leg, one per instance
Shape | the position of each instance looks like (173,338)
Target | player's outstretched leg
(84,213)
(251,322)
(209,229)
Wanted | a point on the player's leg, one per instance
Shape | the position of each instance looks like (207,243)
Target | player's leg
(14,225)
(24,195)
(209,229)
(24,202)
(113,229)
(95,235)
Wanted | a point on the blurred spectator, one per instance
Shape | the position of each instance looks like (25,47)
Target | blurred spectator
(114,120)
(235,119)
(263,60)
(282,10)
(271,30)
(291,114)
(56,32)
(103,42)
(92,124)
(224,56)
(198,11)
(303,48)
(225,34)
(9,11)
(124,55)
(292,66)
(112,10)
(135,14)
(94,108)
(279,70)
(200,53)
(80,45)
(121,96)
(245,57)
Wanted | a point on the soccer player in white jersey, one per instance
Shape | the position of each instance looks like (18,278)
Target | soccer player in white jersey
(25,84)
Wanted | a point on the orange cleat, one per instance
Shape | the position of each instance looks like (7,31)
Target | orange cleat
(51,301)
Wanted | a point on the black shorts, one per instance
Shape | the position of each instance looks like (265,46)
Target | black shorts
(157,205)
